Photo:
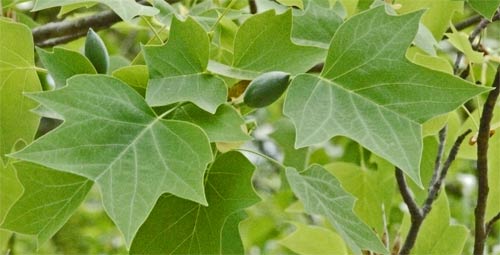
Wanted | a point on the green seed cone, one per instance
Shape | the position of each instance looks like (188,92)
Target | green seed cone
(266,89)
(96,52)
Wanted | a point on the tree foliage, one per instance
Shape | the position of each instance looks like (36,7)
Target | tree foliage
(357,145)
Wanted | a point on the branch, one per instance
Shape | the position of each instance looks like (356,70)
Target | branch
(418,215)
(50,34)
(415,213)
(55,33)
(436,185)
(466,23)
(253,6)
(406,194)
(482,166)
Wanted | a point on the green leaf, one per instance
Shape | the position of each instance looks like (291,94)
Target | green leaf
(17,76)
(486,8)
(166,12)
(460,40)
(437,16)
(372,93)
(50,197)
(425,40)
(96,52)
(112,137)
(313,240)
(177,70)
(437,63)
(178,226)
(321,193)
(72,7)
(223,126)
(296,3)
(263,44)
(10,189)
(136,76)
(372,188)
(437,235)
(126,9)
(63,64)
(493,207)
(315,26)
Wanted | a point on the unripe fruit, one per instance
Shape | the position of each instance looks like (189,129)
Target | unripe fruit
(266,89)
(96,52)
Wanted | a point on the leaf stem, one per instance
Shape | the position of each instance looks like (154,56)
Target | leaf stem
(274,161)
(152,28)
(223,14)
(41,70)
(476,125)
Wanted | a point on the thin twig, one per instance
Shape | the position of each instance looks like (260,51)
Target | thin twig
(492,222)
(439,156)
(472,37)
(406,193)
(436,185)
(415,213)
(418,214)
(482,166)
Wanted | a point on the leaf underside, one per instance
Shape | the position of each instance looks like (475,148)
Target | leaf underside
(368,91)
(111,136)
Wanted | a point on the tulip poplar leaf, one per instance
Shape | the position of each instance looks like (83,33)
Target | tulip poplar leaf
(315,26)
(321,193)
(126,9)
(486,8)
(49,196)
(313,240)
(111,136)
(223,126)
(368,91)
(178,69)
(179,226)
(17,76)
(263,43)
(62,64)
(438,235)
(10,189)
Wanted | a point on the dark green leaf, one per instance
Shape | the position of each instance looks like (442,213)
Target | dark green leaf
(178,226)
(63,64)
